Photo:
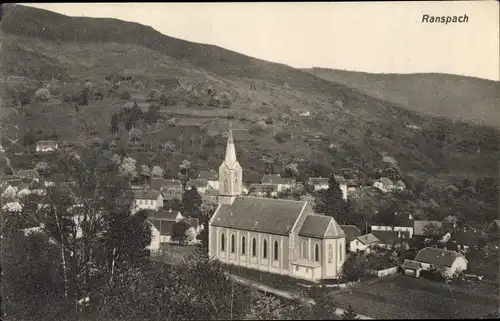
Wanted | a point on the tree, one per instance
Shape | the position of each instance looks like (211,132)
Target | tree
(354,267)
(179,231)
(191,202)
(349,314)
(433,233)
(114,124)
(42,94)
(191,235)
(325,306)
(332,203)
(292,169)
(128,168)
(145,172)
(153,95)
(157,172)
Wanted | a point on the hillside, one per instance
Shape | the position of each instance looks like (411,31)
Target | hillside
(455,97)
(201,87)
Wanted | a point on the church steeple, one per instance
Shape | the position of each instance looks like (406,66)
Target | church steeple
(230,173)
(230,158)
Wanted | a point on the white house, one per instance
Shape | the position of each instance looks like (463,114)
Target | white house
(162,223)
(30,174)
(47,146)
(200,184)
(364,243)
(283,183)
(147,199)
(321,183)
(450,261)
(211,177)
(263,190)
(12,207)
(384,184)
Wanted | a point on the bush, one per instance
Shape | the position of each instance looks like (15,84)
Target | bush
(125,95)
(42,94)
(282,137)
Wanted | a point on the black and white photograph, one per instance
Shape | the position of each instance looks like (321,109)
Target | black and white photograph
(250,161)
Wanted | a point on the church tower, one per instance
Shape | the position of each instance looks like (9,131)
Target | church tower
(230,173)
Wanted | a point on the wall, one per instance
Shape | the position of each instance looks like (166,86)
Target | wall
(460,264)
(155,239)
(357,246)
(380,273)
(258,262)
(333,269)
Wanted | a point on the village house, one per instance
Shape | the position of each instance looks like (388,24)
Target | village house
(47,146)
(263,190)
(169,188)
(277,236)
(493,234)
(283,183)
(162,223)
(321,183)
(12,207)
(384,184)
(411,268)
(403,222)
(466,239)
(351,233)
(147,199)
(211,177)
(351,186)
(200,184)
(364,243)
(391,239)
(29,174)
(450,262)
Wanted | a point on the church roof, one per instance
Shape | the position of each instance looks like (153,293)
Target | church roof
(265,215)
(320,226)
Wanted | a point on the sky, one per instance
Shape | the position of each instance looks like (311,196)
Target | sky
(378,37)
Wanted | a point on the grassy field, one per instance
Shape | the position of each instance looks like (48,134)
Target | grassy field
(403,297)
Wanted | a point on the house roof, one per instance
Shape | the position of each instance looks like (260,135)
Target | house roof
(351,182)
(28,173)
(266,215)
(318,180)
(160,183)
(164,227)
(368,239)
(263,187)
(494,227)
(164,215)
(470,238)
(277,179)
(148,194)
(410,264)
(400,183)
(47,143)
(419,226)
(320,226)
(403,220)
(351,232)
(437,257)
(386,237)
(197,182)
(385,181)
(208,175)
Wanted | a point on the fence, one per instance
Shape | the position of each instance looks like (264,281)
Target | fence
(380,273)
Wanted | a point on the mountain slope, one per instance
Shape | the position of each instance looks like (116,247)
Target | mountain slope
(455,97)
(41,48)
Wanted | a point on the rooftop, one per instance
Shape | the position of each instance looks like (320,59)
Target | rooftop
(437,257)
(258,214)
(321,226)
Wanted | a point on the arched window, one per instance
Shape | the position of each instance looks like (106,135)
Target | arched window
(276,254)
(316,252)
(304,250)
(232,243)
(264,249)
(330,253)
(222,242)
(254,247)
(243,245)
(340,252)
(226,186)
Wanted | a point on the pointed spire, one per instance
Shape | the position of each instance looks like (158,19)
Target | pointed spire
(230,158)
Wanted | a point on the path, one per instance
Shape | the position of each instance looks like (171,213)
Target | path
(8,164)
(285,294)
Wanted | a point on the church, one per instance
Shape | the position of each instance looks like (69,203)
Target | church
(272,235)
